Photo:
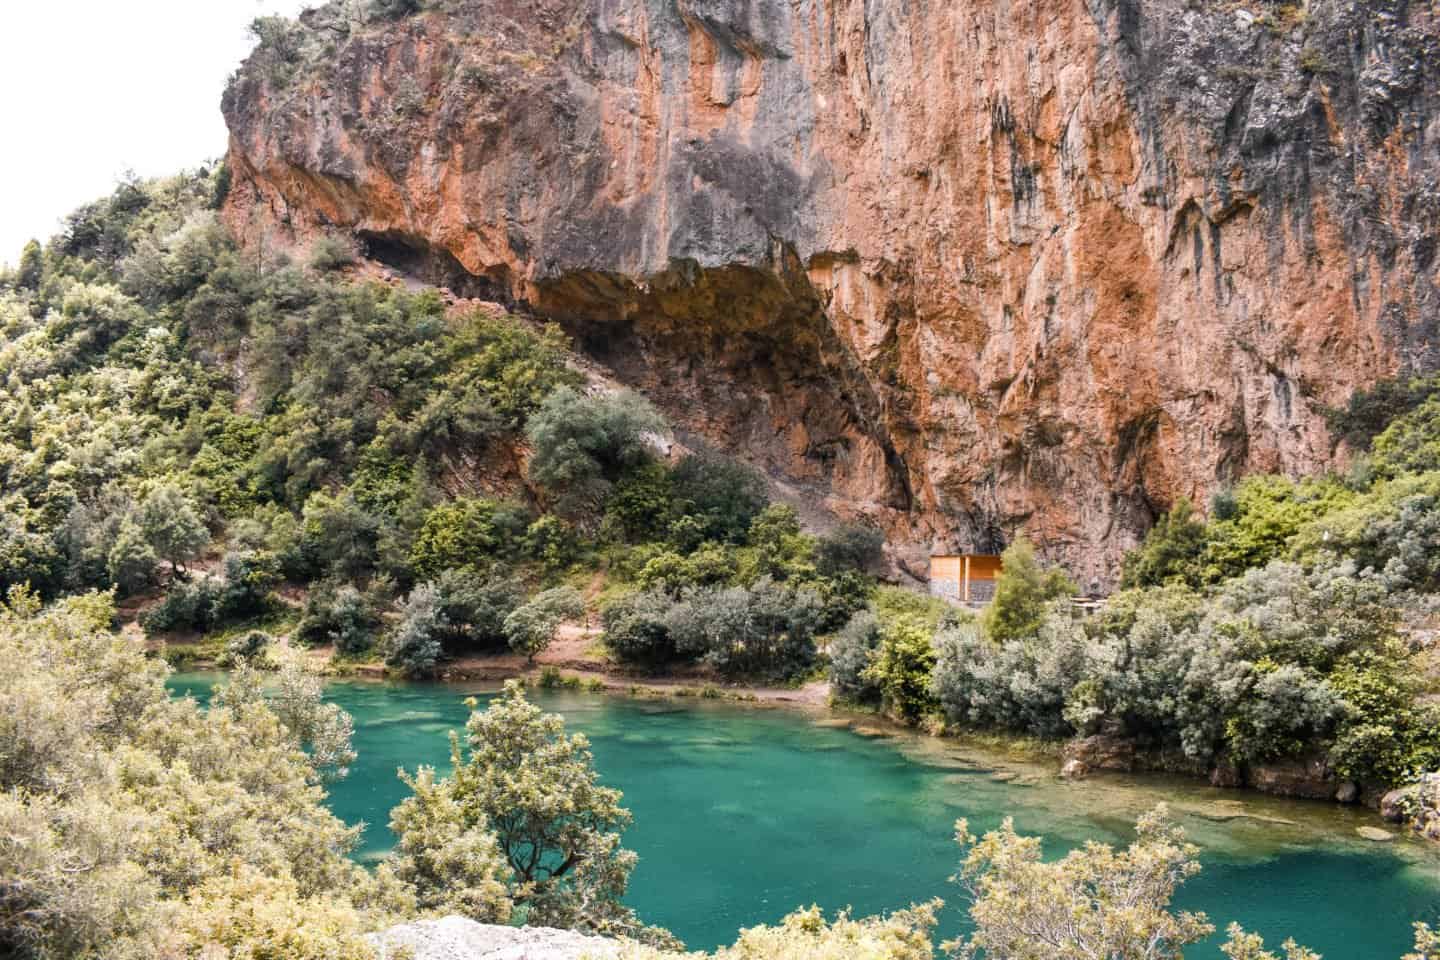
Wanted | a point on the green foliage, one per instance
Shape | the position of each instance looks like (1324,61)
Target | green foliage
(124,838)
(331,253)
(340,615)
(765,631)
(520,777)
(637,628)
(171,526)
(466,532)
(531,627)
(717,499)
(807,935)
(1096,903)
(849,547)
(583,444)
(413,647)
(475,609)
(852,653)
(1370,411)
(1171,552)
(32,267)
(1022,592)
(900,670)
(1390,733)
(1267,512)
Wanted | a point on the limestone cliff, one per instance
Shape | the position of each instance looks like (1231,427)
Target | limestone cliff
(963,267)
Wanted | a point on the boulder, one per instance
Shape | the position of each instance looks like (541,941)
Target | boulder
(1395,805)
(1348,792)
(1375,834)
(1074,769)
(1305,777)
(1101,752)
(457,938)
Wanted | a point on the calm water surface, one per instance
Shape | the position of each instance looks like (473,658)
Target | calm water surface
(742,814)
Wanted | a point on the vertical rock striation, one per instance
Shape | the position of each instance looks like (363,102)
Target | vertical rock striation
(962,267)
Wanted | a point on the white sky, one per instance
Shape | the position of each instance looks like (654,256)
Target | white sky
(92,88)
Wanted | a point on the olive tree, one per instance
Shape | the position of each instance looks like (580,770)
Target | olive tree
(1096,903)
(531,627)
(520,777)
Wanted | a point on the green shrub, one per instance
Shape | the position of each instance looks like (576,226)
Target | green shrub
(718,497)
(339,615)
(1022,591)
(765,631)
(531,627)
(332,253)
(474,608)
(637,628)
(1172,551)
(413,646)
(466,532)
(901,668)
(849,547)
(852,653)
(582,444)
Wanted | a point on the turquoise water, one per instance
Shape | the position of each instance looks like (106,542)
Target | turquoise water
(742,814)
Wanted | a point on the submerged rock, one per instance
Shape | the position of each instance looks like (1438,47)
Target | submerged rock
(456,938)
(1375,834)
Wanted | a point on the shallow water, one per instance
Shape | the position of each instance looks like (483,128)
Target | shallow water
(742,814)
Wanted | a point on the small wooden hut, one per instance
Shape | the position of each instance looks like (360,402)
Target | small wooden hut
(964,577)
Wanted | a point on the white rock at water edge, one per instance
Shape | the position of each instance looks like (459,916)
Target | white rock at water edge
(456,938)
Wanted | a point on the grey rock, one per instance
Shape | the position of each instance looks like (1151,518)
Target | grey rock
(1375,834)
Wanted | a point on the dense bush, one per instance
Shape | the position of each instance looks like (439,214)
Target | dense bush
(464,533)
(532,626)
(341,615)
(1022,592)
(849,547)
(637,628)
(852,652)
(716,499)
(413,646)
(583,444)
(764,631)
(474,608)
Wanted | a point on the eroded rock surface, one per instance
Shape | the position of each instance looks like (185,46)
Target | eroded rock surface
(961,267)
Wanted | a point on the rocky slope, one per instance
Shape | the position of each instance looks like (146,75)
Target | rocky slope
(962,267)
(456,938)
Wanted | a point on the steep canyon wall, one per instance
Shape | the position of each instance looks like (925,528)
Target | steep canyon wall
(961,267)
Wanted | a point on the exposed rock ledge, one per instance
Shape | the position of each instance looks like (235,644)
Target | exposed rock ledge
(456,938)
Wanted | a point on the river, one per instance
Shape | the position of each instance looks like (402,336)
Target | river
(742,814)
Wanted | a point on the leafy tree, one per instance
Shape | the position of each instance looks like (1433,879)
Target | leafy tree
(807,935)
(1021,593)
(1095,903)
(474,608)
(637,629)
(465,532)
(140,825)
(339,615)
(132,559)
(32,266)
(1171,552)
(721,497)
(552,542)
(766,630)
(900,670)
(583,444)
(852,653)
(531,627)
(1250,946)
(849,547)
(782,551)
(521,776)
(413,647)
(450,858)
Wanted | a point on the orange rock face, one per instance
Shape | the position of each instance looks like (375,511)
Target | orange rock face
(964,268)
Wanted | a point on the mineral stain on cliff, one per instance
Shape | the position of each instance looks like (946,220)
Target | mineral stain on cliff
(962,268)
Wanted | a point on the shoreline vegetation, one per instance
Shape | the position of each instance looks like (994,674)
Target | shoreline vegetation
(264,459)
